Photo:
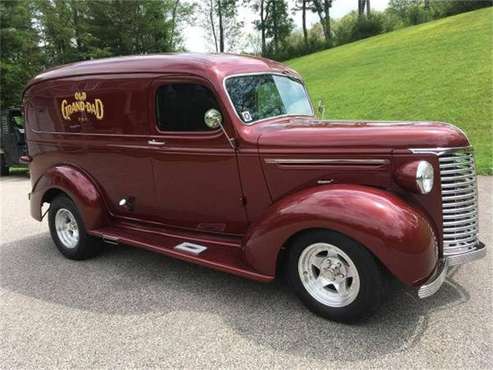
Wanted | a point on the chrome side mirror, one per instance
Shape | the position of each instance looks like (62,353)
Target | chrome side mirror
(213,118)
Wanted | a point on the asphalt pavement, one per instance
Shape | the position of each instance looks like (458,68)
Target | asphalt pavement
(133,308)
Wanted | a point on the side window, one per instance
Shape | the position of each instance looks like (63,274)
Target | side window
(181,107)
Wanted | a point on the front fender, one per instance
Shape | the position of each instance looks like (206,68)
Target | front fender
(399,235)
(78,186)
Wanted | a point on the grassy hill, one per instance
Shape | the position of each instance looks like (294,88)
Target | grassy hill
(442,70)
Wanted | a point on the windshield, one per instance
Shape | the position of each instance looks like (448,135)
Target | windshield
(256,97)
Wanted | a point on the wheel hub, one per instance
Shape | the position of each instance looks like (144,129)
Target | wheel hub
(333,270)
(328,274)
(66,228)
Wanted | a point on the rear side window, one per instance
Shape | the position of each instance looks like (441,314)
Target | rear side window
(181,107)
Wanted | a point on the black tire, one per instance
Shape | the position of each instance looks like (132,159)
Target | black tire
(371,284)
(4,169)
(86,245)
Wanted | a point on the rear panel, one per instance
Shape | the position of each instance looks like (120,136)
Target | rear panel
(99,125)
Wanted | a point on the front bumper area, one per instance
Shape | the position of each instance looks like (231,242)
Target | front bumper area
(437,279)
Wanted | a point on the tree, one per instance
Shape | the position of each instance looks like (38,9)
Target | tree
(20,57)
(322,8)
(222,23)
(260,6)
(278,24)
(362,4)
(303,6)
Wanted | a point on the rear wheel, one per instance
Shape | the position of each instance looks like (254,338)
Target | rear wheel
(334,276)
(4,169)
(68,231)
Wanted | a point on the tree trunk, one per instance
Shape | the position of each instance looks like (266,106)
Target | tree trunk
(361,7)
(303,16)
(262,25)
(367,8)
(327,5)
(173,25)
(213,26)
(427,4)
(221,26)
(75,15)
(274,26)
(318,8)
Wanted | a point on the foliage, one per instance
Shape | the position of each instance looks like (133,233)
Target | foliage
(36,34)
(274,24)
(278,25)
(445,8)
(363,23)
(20,55)
(441,70)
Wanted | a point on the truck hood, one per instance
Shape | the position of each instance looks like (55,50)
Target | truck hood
(299,133)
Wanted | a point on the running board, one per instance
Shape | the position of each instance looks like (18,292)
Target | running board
(218,253)
(195,249)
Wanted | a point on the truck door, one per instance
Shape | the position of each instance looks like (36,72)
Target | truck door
(195,168)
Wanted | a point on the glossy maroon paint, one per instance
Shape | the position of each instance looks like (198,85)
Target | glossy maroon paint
(237,202)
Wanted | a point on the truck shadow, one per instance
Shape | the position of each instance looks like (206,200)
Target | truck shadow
(128,281)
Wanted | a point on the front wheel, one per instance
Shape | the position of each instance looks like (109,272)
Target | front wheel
(68,231)
(334,276)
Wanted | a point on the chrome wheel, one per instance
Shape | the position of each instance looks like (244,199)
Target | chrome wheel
(329,275)
(67,229)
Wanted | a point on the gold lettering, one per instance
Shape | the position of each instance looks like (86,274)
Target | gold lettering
(64,112)
(99,109)
(81,105)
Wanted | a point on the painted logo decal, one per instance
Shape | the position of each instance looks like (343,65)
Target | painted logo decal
(82,105)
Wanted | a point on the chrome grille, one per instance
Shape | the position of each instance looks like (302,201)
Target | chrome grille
(459,200)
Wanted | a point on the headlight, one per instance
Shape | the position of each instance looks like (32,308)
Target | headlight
(416,176)
(424,177)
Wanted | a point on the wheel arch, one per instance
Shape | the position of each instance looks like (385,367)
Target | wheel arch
(399,236)
(284,250)
(75,184)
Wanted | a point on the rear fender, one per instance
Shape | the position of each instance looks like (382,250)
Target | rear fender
(78,186)
(399,235)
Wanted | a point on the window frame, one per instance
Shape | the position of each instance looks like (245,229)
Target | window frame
(156,131)
(273,117)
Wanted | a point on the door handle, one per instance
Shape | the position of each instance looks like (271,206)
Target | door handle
(156,142)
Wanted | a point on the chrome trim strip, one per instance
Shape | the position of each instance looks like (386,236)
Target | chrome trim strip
(458,184)
(472,255)
(467,239)
(459,216)
(438,278)
(325,161)
(440,151)
(325,182)
(434,283)
(109,239)
(454,236)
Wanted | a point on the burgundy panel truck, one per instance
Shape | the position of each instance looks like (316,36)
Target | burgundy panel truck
(220,161)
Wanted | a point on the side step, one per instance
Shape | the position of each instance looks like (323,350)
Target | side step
(214,252)
(191,248)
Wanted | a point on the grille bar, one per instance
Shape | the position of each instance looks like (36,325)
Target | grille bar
(459,201)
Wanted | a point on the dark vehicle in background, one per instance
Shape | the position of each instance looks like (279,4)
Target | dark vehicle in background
(12,139)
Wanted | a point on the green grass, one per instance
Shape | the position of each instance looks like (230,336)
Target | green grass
(441,71)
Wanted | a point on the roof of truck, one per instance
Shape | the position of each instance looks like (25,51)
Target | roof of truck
(220,65)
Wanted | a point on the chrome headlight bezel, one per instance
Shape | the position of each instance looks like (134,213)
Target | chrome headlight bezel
(425,177)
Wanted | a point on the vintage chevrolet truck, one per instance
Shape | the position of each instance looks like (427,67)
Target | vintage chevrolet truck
(219,160)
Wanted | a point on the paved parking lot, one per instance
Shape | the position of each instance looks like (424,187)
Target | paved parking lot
(133,308)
